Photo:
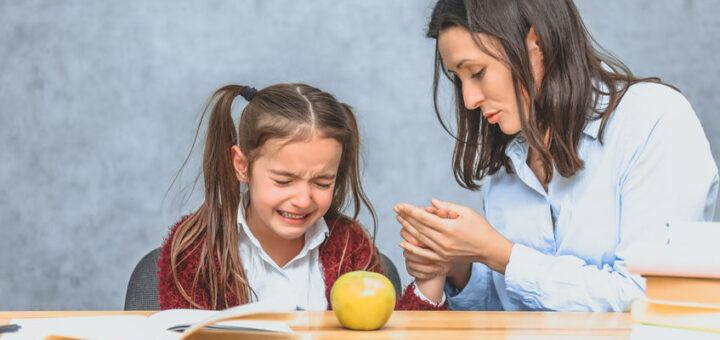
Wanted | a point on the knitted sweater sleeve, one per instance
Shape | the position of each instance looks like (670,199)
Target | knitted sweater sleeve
(169,295)
(349,248)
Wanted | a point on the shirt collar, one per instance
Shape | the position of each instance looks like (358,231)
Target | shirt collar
(592,128)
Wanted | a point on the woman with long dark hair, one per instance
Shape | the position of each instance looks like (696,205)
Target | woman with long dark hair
(578,161)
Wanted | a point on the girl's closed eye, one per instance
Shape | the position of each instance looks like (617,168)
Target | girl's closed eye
(279,182)
(324,185)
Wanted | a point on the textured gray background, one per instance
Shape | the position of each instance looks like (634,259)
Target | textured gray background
(98,100)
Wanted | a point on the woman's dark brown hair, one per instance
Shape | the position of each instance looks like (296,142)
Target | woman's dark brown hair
(578,73)
(293,112)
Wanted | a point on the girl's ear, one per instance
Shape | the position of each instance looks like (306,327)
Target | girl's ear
(535,54)
(240,164)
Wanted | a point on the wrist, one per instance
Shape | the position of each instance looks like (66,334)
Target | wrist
(498,257)
(459,274)
(432,289)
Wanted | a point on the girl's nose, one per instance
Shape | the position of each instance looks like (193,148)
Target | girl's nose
(303,197)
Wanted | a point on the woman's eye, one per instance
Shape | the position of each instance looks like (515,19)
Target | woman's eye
(281,182)
(478,74)
(323,185)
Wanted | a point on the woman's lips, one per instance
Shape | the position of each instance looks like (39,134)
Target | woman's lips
(492,117)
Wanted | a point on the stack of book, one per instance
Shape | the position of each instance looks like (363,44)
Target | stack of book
(682,284)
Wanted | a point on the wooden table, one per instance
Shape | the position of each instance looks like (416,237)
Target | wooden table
(431,325)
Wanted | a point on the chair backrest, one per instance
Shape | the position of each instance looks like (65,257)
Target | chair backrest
(142,290)
(391,273)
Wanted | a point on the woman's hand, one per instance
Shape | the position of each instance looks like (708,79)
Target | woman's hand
(420,267)
(466,238)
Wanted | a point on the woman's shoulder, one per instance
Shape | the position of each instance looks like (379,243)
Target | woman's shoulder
(650,102)
(643,106)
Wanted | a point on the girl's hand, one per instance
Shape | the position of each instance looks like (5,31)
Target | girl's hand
(466,238)
(423,269)
(429,275)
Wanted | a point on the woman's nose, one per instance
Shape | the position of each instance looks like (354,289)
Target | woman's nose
(473,96)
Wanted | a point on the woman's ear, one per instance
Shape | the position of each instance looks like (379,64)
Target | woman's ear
(240,164)
(535,54)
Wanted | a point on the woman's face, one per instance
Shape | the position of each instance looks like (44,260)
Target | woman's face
(486,81)
(291,184)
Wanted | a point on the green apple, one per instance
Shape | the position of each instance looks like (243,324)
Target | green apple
(362,300)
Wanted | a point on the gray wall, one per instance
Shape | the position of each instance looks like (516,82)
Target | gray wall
(99,100)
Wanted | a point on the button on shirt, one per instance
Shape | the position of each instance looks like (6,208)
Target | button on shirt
(300,283)
(654,166)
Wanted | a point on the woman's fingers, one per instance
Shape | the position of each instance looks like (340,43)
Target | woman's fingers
(404,233)
(426,238)
(410,213)
(448,206)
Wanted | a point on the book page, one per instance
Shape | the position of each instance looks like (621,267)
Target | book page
(180,319)
(676,315)
(690,250)
(115,327)
(237,312)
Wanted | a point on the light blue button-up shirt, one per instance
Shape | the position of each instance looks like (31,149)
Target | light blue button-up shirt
(654,166)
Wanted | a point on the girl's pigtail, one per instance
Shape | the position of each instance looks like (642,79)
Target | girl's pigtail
(214,225)
(352,151)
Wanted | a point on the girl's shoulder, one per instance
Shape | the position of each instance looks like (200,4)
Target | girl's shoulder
(343,226)
(345,233)
(190,253)
(174,228)
(347,247)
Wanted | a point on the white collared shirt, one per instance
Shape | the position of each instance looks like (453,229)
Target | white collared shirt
(300,283)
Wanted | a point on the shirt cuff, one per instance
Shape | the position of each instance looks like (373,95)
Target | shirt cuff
(473,295)
(422,297)
(526,265)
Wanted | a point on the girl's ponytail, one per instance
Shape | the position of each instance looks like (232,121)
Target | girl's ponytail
(214,226)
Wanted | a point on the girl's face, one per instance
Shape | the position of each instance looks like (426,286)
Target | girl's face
(291,185)
(486,81)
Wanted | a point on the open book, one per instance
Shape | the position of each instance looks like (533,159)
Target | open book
(174,324)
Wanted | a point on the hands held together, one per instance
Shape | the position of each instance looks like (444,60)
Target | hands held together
(443,240)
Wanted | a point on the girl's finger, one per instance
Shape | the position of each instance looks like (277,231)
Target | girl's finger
(404,233)
(416,258)
(420,276)
(426,254)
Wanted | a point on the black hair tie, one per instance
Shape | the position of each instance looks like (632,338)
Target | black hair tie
(248,93)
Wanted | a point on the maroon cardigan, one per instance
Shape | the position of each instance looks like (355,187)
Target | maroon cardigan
(343,237)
